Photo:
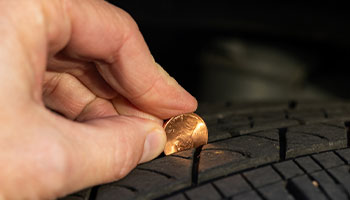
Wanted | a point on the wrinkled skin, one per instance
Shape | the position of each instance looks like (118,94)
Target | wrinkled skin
(87,60)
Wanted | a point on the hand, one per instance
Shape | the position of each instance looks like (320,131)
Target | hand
(87,60)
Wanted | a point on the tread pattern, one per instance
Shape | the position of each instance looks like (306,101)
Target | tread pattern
(282,150)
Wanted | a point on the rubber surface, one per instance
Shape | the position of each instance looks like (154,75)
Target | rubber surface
(256,151)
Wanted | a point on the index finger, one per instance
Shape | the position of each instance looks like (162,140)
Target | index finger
(108,36)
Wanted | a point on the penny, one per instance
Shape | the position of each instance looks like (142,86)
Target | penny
(184,132)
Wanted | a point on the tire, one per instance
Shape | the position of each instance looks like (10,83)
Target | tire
(266,151)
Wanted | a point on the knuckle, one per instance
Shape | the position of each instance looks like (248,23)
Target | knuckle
(56,81)
(67,78)
(127,19)
(127,24)
(50,84)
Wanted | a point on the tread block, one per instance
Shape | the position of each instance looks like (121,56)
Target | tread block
(332,189)
(345,154)
(228,156)
(308,116)
(260,126)
(302,140)
(328,160)
(301,187)
(335,123)
(308,164)
(133,185)
(240,125)
(177,197)
(187,154)
(206,191)
(212,109)
(215,134)
(106,192)
(342,174)
(176,167)
(268,116)
(169,173)
(338,112)
(288,169)
(233,124)
(232,185)
(276,191)
(212,118)
(326,105)
(252,195)
(81,195)
(262,176)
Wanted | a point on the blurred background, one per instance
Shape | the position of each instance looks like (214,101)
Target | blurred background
(249,51)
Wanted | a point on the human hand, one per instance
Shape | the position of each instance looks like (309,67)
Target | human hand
(87,60)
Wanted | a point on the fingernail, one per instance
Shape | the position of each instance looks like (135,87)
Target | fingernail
(154,145)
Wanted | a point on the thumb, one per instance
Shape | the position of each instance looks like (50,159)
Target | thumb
(108,149)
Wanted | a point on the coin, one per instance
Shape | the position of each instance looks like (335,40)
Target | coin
(184,132)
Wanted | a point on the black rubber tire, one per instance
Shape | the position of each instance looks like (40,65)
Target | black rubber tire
(268,151)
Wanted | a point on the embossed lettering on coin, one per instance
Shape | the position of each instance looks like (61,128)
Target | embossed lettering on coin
(185,131)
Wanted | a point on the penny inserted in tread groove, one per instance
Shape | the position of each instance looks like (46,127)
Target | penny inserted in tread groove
(184,132)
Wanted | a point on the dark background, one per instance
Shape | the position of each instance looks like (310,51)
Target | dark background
(249,51)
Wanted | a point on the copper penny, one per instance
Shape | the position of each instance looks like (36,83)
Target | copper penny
(185,131)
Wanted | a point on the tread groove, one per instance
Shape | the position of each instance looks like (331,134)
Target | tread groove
(156,172)
(332,125)
(347,128)
(253,187)
(126,187)
(314,134)
(325,114)
(331,176)
(251,122)
(282,143)
(292,104)
(195,165)
(295,191)
(183,157)
(312,178)
(186,197)
(278,172)
(341,157)
(218,190)
(244,154)
(263,137)
(300,121)
(93,192)
(286,114)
